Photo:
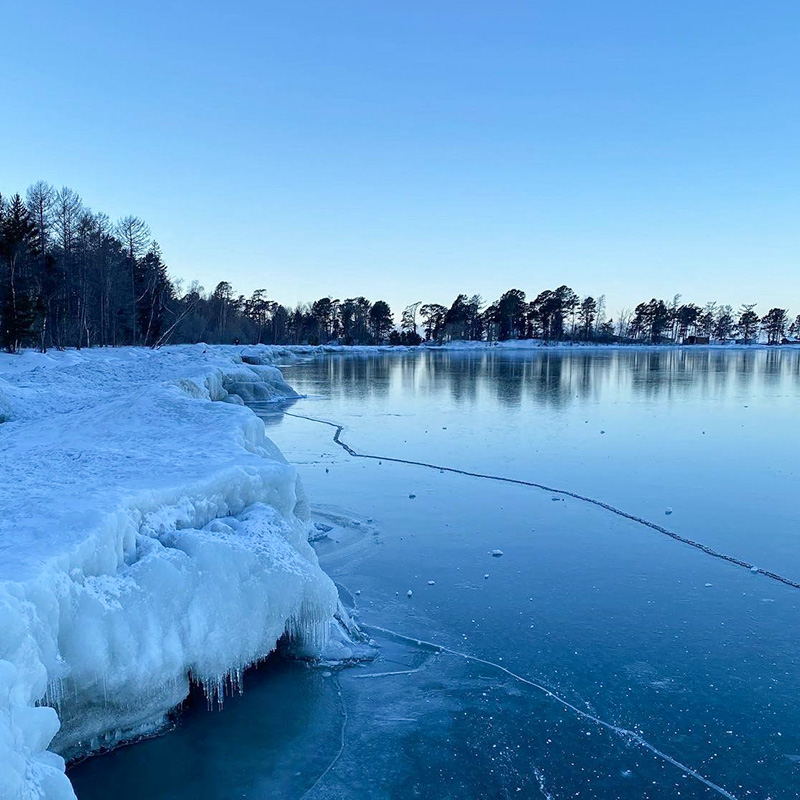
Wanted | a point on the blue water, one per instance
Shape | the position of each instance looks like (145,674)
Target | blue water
(695,655)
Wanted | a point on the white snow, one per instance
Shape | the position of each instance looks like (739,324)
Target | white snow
(149,534)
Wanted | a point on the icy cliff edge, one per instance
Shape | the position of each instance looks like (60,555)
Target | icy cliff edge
(150,536)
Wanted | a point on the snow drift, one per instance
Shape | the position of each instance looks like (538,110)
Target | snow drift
(150,536)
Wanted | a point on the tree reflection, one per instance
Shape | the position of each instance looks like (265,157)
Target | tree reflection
(552,378)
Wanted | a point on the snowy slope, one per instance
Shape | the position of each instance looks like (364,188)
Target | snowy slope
(149,533)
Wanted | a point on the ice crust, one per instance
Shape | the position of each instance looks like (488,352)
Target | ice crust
(150,535)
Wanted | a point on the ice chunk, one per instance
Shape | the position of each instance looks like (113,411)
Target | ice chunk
(154,537)
(257,384)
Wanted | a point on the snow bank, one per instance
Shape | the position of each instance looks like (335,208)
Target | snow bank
(149,536)
(5,402)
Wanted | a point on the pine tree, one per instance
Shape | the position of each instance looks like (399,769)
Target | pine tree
(748,322)
(17,249)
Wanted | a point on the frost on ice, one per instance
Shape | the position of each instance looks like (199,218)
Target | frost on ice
(150,536)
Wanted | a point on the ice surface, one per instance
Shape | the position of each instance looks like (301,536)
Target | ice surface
(150,536)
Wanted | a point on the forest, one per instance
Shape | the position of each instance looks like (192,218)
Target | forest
(70,277)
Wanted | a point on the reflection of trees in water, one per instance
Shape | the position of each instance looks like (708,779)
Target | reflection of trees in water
(585,374)
(773,366)
(512,378)
(462,376)
(356,375)
(744,369)
(408,370)
(744,362)
(650,371)
(558,378)
(549,379)
(551,382)
(703,373)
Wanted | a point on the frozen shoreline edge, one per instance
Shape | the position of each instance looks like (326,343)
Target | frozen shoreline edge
(198,575)
(292,351)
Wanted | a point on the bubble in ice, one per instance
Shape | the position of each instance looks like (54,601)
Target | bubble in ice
(431,583)
(497,553)
(667,510)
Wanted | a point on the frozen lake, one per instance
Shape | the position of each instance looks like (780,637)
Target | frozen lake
(628,628)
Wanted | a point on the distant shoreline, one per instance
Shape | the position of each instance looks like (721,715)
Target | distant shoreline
(525,345)
(510,345)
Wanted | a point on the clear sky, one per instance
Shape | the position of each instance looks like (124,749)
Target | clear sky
(414,149)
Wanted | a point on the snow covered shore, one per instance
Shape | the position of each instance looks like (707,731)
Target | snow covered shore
(150,534)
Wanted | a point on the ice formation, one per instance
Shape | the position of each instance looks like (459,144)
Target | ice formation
(150,536)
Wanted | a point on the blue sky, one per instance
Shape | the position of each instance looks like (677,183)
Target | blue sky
(413,150)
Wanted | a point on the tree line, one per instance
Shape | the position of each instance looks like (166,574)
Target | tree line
(70,277)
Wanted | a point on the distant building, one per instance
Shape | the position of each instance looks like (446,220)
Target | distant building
(696,340)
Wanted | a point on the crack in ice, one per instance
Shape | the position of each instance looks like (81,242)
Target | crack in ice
(624,733)
(339,752)
(709,551)
(387,674)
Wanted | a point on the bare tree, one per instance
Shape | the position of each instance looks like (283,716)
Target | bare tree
(134,233)
(623,322)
